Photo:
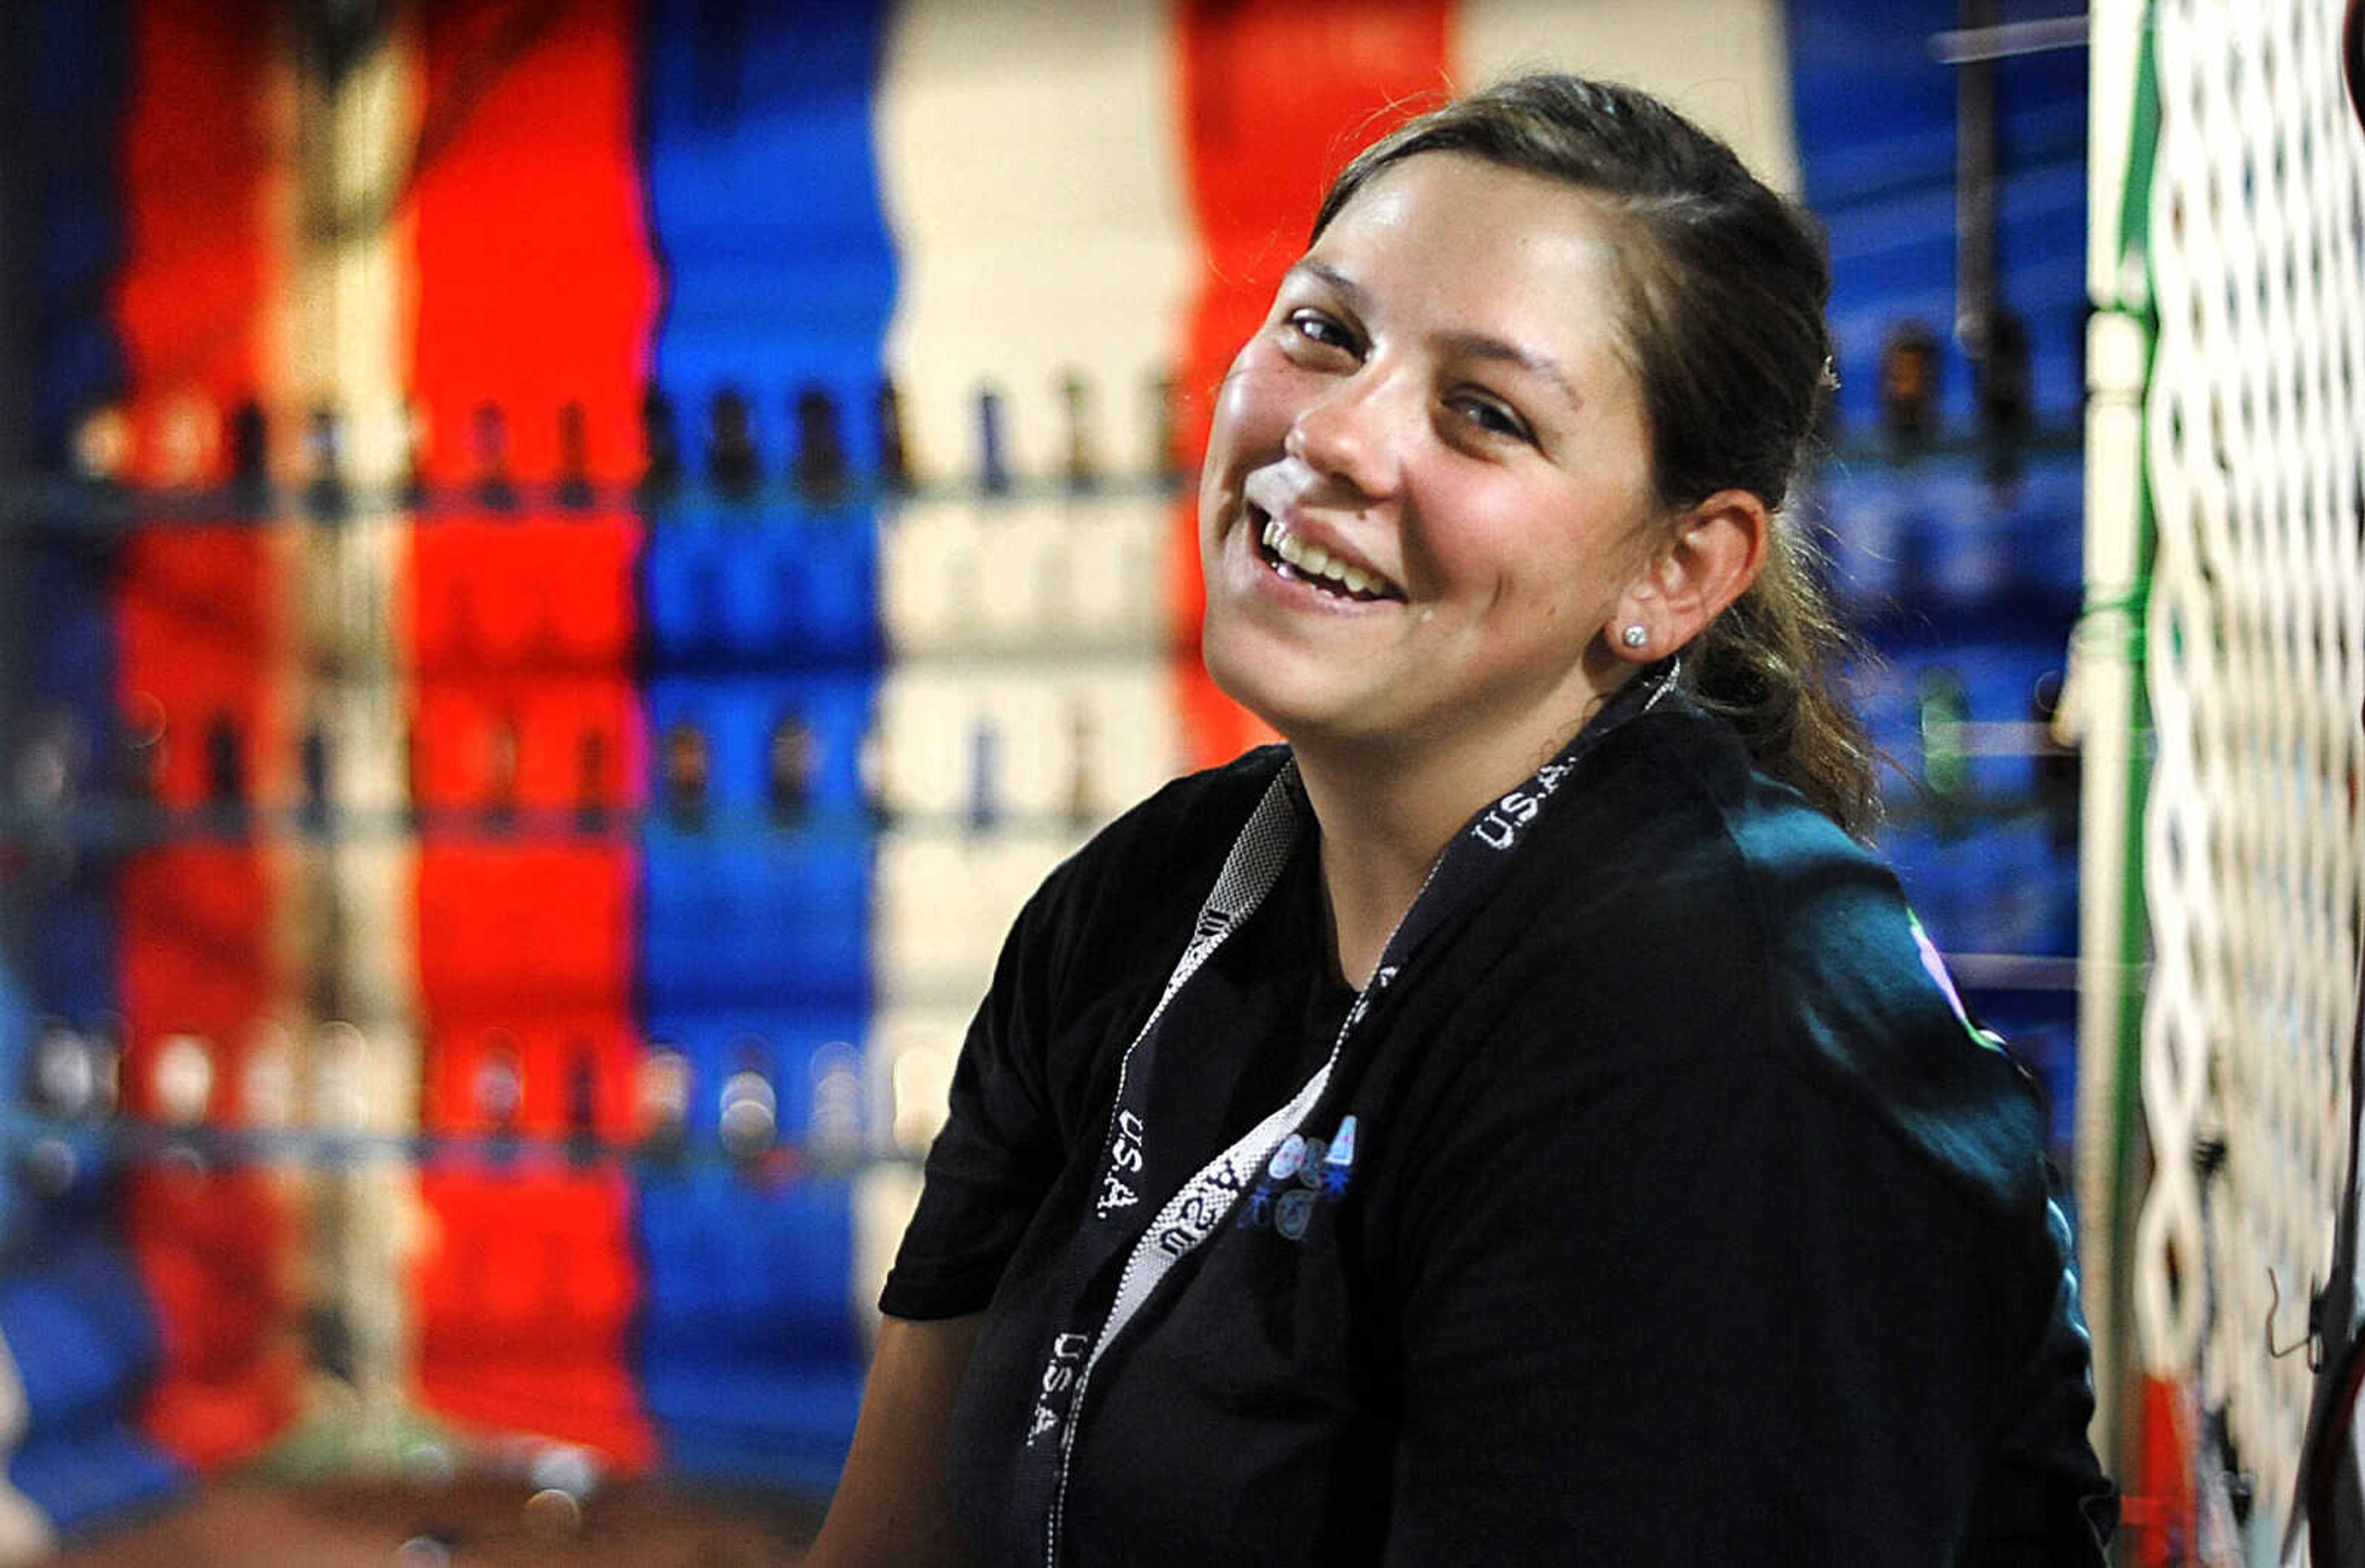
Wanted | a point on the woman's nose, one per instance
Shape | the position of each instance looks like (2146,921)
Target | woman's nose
(1346,434)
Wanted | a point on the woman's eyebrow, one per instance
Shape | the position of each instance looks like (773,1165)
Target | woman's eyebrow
(1463,344)
(1480,345)
(1347,288)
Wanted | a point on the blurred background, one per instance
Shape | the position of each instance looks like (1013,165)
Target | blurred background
(566,564)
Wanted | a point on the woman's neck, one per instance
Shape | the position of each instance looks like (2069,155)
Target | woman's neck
(1382,829)
(1388,808)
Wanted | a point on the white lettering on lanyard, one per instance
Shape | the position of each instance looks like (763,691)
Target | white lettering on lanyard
(1200,1211)
(1124,1160)
(1499,828)
(1060,1375)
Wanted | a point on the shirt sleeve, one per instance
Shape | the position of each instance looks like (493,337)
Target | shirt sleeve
(1033,1064)
(1000,1149)
(2042,1499)
(1710,1314)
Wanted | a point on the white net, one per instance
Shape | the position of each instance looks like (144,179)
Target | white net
(2254,831)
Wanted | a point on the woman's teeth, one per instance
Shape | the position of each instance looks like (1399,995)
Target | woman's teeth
(1312,561)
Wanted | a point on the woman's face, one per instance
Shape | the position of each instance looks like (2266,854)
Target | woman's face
(1428,482)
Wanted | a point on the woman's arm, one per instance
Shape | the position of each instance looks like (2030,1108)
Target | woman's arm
(890,1510)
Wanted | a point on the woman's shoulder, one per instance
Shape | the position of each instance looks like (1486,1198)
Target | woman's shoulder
(1817,913)
(1768,932)
(1671,834)
(1186,821)
(1162,852)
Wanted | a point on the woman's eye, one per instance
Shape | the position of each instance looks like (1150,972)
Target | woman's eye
(1493,418)
(1316,328)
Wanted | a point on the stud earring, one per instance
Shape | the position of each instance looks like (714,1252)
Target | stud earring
(1635,636)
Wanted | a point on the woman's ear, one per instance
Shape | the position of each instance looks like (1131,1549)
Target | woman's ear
(1709,556)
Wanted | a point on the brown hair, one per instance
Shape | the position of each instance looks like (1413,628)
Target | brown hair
(1725,283)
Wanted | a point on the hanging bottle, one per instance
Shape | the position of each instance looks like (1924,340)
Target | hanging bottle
(225,764)
(734,468)
(140,752)
(312,766)
(1164,429)
(871,771)
(503,763)
(789,768)
(250,459)
(1075,401)
(1909,385)
(496,489)
(663,1084)
(573,489)
(748,1117)
(894,452)
(1084,789)
(2007,397)
(65,1072)
(661,449)
(833,1129)
(266,1085)
(326,496)
(187,442)
(181,1080)
(497,1090)
(582,1103)
(414,774)
(822,473)
(2058,767)
(685,769)
(1943,708)
(411,486)
(102,447)
(594,790)
(984,764)
(993,461)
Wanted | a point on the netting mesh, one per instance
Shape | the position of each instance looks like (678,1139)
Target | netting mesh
(2253,831)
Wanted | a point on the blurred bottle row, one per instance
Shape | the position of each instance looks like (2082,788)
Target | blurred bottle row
(221,463)
(1907,546)
(1981,804)
(497,1095)
(965,751)
(952,750)
(2003,424)
(222,460)
(1047,578)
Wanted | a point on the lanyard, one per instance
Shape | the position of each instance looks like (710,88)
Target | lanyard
(1471,863)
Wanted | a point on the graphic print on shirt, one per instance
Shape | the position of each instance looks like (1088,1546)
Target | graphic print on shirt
(1303,1172)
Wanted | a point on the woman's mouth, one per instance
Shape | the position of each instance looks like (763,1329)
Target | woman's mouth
(1302,560)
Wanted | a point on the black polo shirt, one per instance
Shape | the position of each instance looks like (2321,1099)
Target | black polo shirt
(1682,1217)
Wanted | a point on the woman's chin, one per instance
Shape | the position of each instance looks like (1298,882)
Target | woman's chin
(1306,710)
(1259,684)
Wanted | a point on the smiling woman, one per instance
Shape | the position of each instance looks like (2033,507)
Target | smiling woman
(1514,1121)
(1439,405)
